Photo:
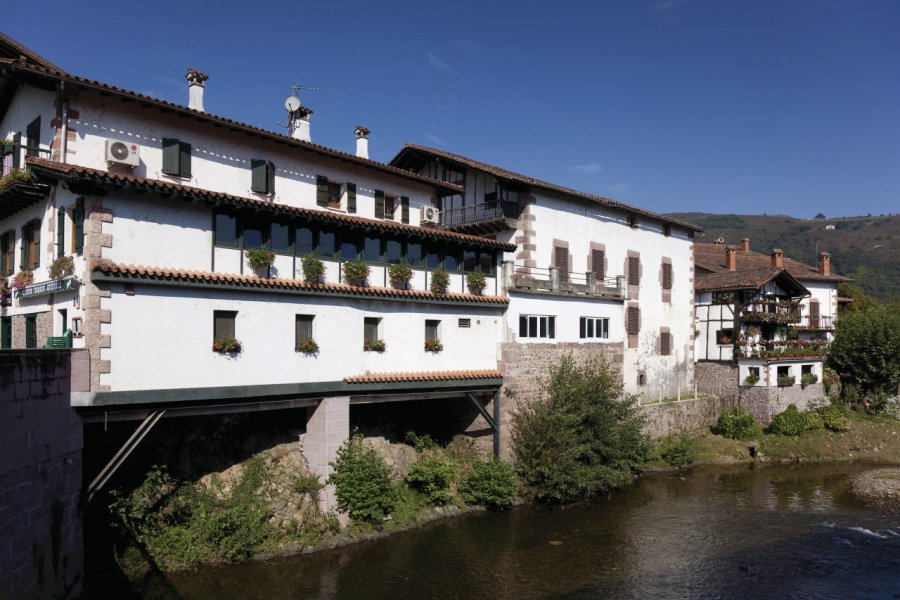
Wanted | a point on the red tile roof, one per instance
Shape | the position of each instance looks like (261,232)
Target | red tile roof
(43,166)
(429,376)
(747,279)
(712,258)
(531,181)
(251,282)
(55,74)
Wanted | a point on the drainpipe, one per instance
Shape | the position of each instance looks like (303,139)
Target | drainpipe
(65,123)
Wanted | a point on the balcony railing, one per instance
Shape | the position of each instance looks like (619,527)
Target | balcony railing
(496,214)
(773,350)
(553,280)
(818,323)
(781,312)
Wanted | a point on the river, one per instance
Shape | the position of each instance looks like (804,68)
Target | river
(774,532)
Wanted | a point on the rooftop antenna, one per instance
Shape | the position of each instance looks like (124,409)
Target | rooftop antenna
(292,103)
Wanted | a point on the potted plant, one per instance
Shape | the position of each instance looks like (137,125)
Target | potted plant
(786,380)
(751,379)
(308,347)
(4,291)
(7,146)
(313,269)
(475,282)
(260,259)
(440,281)
(356,272)
(225,344)
(63,266)
(374,346)
(21,279)
(808,379)
(433,346)
(400,274)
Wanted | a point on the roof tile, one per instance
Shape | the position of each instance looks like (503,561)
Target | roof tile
(426,376)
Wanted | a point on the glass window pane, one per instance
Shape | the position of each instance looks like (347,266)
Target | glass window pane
(304,244)
(590,327)
(226,230)
(373,249)
(393,252)
(470,260)
(451,259)
(414,254)
(543,322)
(280,238)
(326,243)
(523,326)
(532,326)
(349,247)
(433,258)
(254,234)
(581,326)
(551,321)
(486,262)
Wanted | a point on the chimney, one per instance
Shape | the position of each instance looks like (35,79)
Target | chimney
(745,245)
(196,83)
(778,258)
(825,264)
(731,258)
(362,142)
(299,122)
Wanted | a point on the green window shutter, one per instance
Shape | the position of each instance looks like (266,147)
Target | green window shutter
(270,177)
(17,141)
(404,209)
(61,232)
(23,245)
(184,159)
(321,190)
(351,197)
(78,216)
(171,160)
(379,204)
(36,259)
(259,176)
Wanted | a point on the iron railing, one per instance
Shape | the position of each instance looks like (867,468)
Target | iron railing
(476,214)
(555,280)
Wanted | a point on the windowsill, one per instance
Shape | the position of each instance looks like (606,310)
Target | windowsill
(336,209)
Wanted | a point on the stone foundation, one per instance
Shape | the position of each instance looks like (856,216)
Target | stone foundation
(695,415)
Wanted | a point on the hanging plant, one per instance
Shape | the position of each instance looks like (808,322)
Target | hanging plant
(440,281)
(433,346)
(400,274)
(476,282)
(21,279)
(225,344)
(260,258)
(356,271)
(751,379)
(307,347)
(63,266)
(374,346)
(313,269)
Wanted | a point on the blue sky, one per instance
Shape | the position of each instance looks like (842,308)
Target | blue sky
(763,106)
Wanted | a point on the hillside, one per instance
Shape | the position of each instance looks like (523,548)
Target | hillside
(864,248)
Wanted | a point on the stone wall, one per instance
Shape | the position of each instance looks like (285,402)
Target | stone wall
(766,402)
(693,415)
(43,328)
(717,379)
(41,548)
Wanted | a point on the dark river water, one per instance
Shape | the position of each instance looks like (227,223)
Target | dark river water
(776,532)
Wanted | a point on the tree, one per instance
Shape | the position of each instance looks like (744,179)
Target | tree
(866,348)
(820,216)
(861,301)
(582,438)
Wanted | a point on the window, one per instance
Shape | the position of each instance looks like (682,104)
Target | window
(784,372)
(390,203)
(725,337)
(667,276)
(464,323)
(404,209)
(806,370)
(379,204)
(598,264)
(328,193)
(372,249)
(327,243)
(33,137)
(455,176)
(537,326)
(486,262)
(470,260)
(351,197)
(393,252)
(7,250)
(665,343)
(31,246)
(262,176)
(349,247)
(280,238)
(370,329)
(451,259)
(78,226)
(254,233)
(176,158)
(60,231)
(593,327)
(414,254)
(304,241)
(634,270)
(303,329)
(223,323)
(226,232)
(432,330)
(5,332)
(754,371)
(31,331)
(641,378)
(433,258)
(634,320)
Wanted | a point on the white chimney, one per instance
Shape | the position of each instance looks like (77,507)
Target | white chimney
(196,83)
(362,142)
(299,122)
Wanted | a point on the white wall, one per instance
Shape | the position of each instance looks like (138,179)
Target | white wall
(568,312)
(26,105)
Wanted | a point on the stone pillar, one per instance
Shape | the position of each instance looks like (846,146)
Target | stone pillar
(327,427)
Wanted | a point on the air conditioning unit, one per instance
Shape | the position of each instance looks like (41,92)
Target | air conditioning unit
(430,214)
(122,153)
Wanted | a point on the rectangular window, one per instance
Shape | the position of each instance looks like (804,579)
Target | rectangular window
(78,226)
(370,329)
(806,370)
(486,260)
(753,371)
(724,337)
(304,242)
(598,265)
(7,251)
(432,330)
(634,320)
(393,252)
(31,331)
(223,323)
(667,276)
(176,158)
(303,329)
(433,258)
(634,270)
(390,204)
(454,176)
(451,259)
(470,260)
(254,233)
(280,238)
(537,326)
(593,327)
(349,246)
(373,249)
(379,204)
(321,190)
(334,194)
(5,332)
(262,176)
(665,343)
(327,243)
(226,233)
(414,254)
(60,231)
(351,197)
(784,372)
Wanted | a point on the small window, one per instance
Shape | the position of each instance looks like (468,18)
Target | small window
(305,243)
(667,276)
(665,343)
(226,233)
(465,323)
(724,337)
(537,326)
(371,328)
(634,270)
(334,194)
(806,370)
(393,252)
(454,176)
(5,332)
(784,371)
(31,331)
(223,323)
(451,259)
(634,320)
(390,204)
(349,247)
(254,233)
(373,249)
(470,260)
(280,238)
(414,254)
(303,329)
(753,371)
(262,176)
(433,258)
(642,378)
(432,330)
(593,327)
(327,243)
(176,158)
(486,262)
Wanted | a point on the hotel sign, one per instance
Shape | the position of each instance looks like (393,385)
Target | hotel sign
(48,287)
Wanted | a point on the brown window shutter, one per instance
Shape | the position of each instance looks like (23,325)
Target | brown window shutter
(561,262)
(598,264)
(665,344)
(667,276)
(634,317)
(813,313)
(634,270)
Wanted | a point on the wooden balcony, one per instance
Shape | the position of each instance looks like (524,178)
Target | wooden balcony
(487,217)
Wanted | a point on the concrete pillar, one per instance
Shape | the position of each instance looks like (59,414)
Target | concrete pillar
(507,269)
(591,281)
(327,427)
(554,279)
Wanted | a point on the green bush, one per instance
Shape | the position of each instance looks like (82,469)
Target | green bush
(431,475)
(582,439)
(440,280)
(313,268)
(736,424)
(475,282)
(812,421)
(680,454)
(835,417)
(355,271)
(866,348)
(491,484)
(788,422)
(420,442)
(362,481)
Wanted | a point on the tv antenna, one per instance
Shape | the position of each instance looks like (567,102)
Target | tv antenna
(292,103)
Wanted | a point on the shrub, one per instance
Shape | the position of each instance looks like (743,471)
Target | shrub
(306,485)
(362,481)
(259,258)
(789,422)
(866,348)
(313,268)
(440,281)
(475,282)
(491,484)
(420,442)
(431,475)
(355,271)
(808,379)
(786,380)
(835,417)
(225,344)
(829,378)
(736,424)
(892,407)
(751,379)
(400,274)
(307,346)
(374,346)
(582,438)
(812,420)
(680,454)
(63,266)
(851,393)
(433,346)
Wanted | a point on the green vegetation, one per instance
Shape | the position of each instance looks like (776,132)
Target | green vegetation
(475,282)
(432,475)
(313,268)
(355,271)
(259,258)
(866,349)
(678,452)
(362,481)
(834,417)
(736,424)
(582,439)
(440,280)
(789,422)
(491,484)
